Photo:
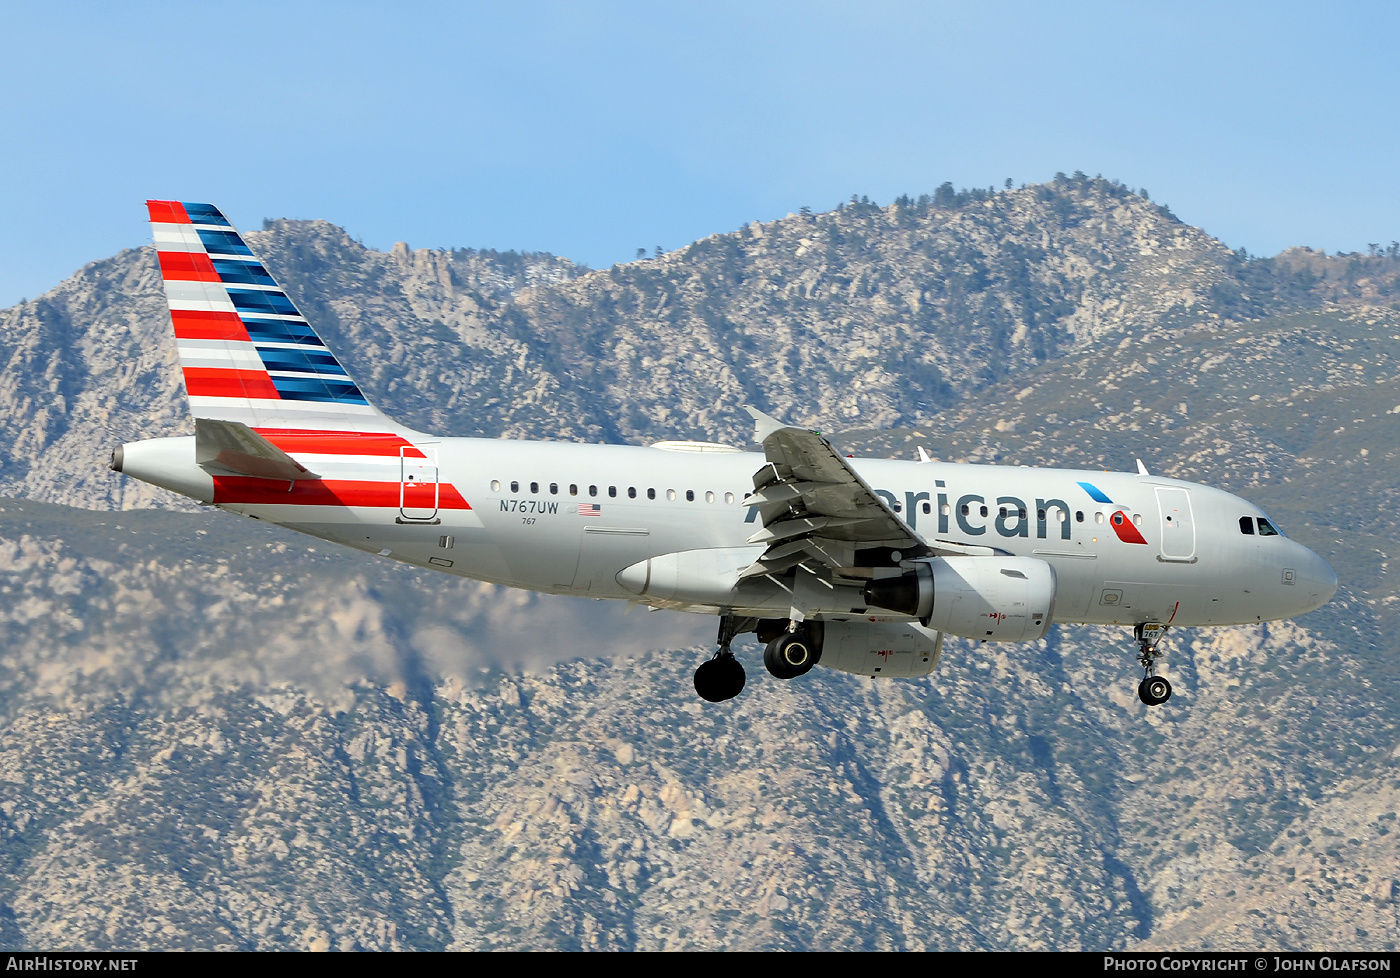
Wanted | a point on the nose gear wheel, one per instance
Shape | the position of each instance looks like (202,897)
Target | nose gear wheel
(1154,690)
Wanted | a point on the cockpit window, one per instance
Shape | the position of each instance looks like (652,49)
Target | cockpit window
(1266,529)
(1247,525)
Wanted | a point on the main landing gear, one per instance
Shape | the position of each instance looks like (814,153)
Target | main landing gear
(791,648)
(721,678)
(1154,690)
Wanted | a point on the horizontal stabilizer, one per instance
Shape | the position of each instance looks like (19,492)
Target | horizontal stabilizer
(233,446)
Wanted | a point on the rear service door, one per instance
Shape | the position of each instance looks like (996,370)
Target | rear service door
(418,485)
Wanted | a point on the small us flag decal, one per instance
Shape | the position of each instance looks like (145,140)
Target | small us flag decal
(589,509)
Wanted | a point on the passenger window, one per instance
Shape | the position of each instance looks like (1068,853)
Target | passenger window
(651,493)
(671,495)
(945,509)
(690,495)
(1247,525)
(534,487)
(729,499)
(593,490)
(709,496)
(1079,516)
(631,492)
(612,492)
(898,508)
(495,485)
(573,489)
(984,510)
(966,509)
(1137,519)
(1001,511)
(1040,515)
(927,509)
(554,488)
(1021,513)
(515,487)
(1098,517)
(1266,529)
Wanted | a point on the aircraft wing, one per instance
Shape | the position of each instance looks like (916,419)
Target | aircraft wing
(817,511)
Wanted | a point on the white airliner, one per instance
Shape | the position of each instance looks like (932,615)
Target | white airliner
(861,565)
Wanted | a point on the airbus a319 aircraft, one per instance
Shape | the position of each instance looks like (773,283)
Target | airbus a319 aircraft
(861,565)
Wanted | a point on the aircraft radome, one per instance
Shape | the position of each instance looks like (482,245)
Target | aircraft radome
(860,565)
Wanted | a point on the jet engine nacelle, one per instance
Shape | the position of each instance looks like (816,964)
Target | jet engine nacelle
(996,599)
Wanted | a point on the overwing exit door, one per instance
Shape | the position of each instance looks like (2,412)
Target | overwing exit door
(418,485)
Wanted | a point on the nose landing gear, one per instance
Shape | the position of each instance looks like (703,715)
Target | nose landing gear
(1154,690)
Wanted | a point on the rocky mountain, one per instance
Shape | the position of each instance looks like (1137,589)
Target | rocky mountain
(218,734)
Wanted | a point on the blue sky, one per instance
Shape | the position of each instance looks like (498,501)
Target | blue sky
(590,129)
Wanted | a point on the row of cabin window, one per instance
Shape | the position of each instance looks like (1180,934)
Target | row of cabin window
(1060,515)
(612,491)
(1003,512)
(1266,529)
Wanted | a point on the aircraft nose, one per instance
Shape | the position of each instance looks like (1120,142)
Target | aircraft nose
(1320,581)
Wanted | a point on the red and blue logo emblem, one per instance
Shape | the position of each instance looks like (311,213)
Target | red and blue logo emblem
(1121,522)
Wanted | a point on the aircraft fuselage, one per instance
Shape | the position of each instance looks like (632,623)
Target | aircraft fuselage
(570,518)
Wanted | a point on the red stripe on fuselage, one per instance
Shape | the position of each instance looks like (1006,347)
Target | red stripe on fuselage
(186,266)
(193,324)
(1123,526)
(292,441)
(167,212)
(331,492)
(217,382)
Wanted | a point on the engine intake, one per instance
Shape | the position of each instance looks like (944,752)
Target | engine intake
(996,599)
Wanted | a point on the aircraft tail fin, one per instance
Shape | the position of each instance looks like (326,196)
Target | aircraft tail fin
(248,354)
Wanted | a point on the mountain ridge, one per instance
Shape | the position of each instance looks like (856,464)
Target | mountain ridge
(883,316)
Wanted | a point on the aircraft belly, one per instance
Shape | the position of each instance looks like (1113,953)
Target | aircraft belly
(531,558)
(463,550)
(606,550)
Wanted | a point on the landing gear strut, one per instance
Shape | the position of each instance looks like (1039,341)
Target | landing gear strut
(1154,690)
(722,677)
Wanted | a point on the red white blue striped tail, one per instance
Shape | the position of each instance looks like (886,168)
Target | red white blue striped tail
(247,354)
